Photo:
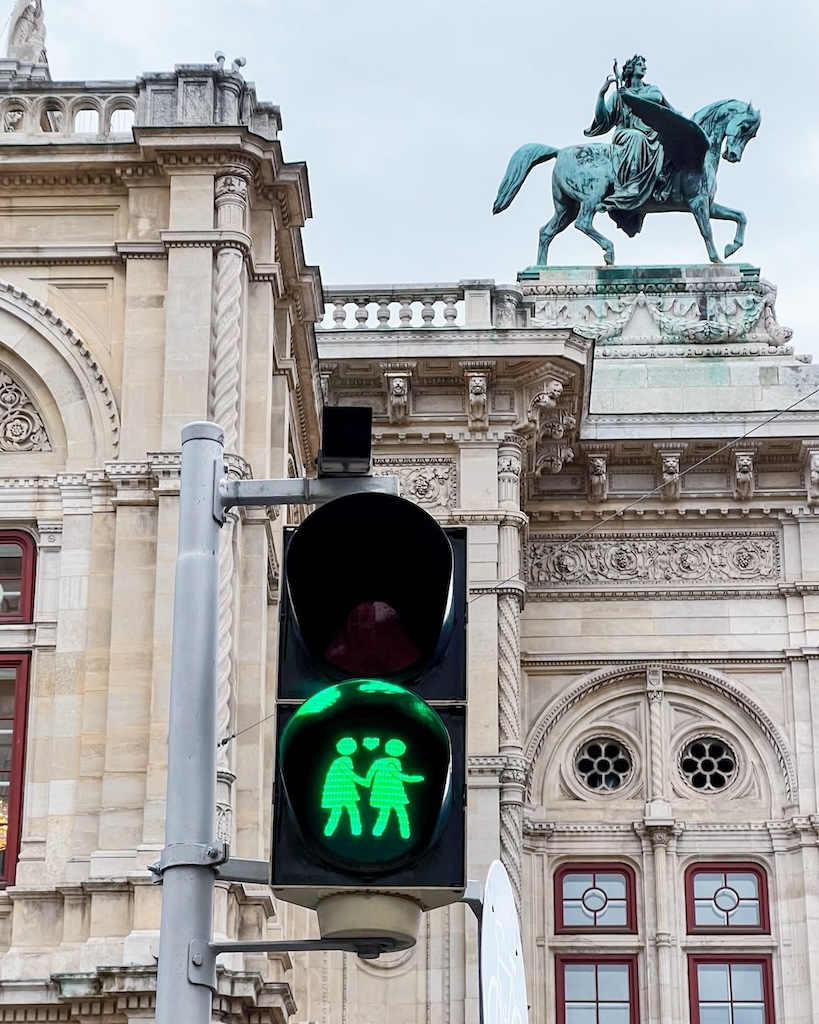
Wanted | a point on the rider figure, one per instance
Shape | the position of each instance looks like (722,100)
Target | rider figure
(636,149)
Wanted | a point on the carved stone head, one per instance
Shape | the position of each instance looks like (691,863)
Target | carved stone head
(477,386)
(671,466)
(597,466)
(553,389)
(398,387)
(745,464)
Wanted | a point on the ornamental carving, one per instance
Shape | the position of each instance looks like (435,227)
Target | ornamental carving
(679,559)
(21,426)
(430,483)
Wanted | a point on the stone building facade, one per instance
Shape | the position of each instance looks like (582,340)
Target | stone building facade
(635,455)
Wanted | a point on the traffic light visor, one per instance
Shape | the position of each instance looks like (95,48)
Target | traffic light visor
(370,582)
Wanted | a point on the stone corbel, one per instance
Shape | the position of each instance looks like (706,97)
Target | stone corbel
(550,458)
(811,451)
(598,478)
(669,458)
(743,475)
(545,399)
(478,374)
(397,377)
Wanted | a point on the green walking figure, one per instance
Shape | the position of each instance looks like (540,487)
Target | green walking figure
(340,791)
(388,794)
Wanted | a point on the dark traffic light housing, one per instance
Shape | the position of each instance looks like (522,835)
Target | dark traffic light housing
(371,734)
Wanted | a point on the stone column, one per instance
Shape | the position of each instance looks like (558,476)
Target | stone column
(231,199)
(660,837)
(510,597)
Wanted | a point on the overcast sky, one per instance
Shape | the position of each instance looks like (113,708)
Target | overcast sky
(407,113)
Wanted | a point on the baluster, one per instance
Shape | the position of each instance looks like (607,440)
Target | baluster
(383,312)
(362,314)
(405,312)
(428,311)
(339,313)
(450,310)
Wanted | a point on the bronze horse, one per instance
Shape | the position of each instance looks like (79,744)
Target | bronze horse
(584,175)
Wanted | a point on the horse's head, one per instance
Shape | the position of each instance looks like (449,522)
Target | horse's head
(740,129)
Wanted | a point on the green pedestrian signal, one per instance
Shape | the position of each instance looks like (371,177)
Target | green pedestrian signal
(370,783)
(366,769)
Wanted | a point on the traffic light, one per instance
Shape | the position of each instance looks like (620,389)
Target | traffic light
(370,784)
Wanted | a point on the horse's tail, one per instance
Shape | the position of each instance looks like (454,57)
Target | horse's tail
(520,163)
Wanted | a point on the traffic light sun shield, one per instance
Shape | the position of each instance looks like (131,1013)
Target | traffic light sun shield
(367,767)
(369,579)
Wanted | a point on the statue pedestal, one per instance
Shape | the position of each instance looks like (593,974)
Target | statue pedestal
(721,310)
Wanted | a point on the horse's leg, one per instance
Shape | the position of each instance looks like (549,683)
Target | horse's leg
(699,206)
(565,213)
(720,212)
(584,224)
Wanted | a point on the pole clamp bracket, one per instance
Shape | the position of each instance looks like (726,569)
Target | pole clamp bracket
(190,855)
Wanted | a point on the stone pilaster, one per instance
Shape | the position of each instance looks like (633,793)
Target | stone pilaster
(510,594)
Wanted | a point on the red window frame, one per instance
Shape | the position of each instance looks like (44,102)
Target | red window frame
(704,867)
(595,867)
(561,960)
(21,662)
(26,608)
(764,962)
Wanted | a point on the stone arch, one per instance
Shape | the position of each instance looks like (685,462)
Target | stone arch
(68,385)
(708,678)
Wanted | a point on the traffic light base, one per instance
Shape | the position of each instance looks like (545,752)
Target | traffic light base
(359,915)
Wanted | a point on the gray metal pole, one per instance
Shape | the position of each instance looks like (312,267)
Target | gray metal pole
(190,816)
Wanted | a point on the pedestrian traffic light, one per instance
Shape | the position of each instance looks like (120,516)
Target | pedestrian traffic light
(370,783)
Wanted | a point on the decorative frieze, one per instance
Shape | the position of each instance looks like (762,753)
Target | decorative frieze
(671,559)
(431,483)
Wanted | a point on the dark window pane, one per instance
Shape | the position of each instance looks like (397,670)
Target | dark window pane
(613,915)
(715,1013)
(712,982)
(746,982)
(612,982)
(575,885)
(706,915)
(618,1014)
(580,982)
(748,1014)
(613,885)
(575,915)
(581,1013)
(746,884)
(746,915)
(706,884)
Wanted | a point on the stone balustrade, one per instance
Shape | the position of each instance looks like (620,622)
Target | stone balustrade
(32,107)
(465,304)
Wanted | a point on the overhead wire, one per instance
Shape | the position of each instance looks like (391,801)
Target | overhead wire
(585,533)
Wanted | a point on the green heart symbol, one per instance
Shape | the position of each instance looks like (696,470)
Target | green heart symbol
(371,742)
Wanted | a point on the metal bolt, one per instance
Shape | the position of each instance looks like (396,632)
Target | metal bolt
(197,959)
(212,851)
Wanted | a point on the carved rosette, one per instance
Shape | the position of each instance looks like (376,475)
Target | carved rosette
(21,426)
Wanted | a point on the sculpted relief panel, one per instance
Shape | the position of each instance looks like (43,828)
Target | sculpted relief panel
(429,482)
(21,426)
(679,560)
